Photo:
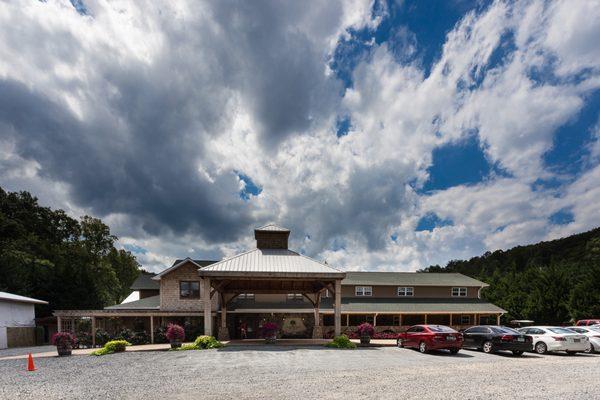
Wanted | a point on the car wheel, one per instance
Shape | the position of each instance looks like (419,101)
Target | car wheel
(571,353)
(487,347)
(590,349)
(399,343)
(517,352)
(454,351)
(423,347)
(541,348)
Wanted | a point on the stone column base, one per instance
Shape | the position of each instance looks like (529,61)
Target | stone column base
(317,332)
(223,334)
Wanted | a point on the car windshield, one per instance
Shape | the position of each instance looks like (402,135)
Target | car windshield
(440,328)
(504,330)
(560,330)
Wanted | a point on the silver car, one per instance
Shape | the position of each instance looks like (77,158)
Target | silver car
(592,333)
(555,338)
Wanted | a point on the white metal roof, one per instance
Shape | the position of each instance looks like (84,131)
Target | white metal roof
(271,261)
(20,299)
(272,228)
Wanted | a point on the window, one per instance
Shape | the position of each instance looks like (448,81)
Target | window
(189,289)
(459,292)
(295,297)
(246,296)
(465,320)
(363,290)
(405,291)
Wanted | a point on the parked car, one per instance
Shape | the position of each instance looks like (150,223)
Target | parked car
(495,338)
(554,338)
(431,337)
(593,335)
(588,322)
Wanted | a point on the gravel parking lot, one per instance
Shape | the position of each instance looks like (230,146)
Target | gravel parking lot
(303,373)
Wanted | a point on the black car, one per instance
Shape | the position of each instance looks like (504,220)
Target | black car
(493,338)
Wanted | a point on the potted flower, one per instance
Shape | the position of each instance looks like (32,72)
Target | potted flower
(175,334)
(270,332)
(64,342)
(366,331)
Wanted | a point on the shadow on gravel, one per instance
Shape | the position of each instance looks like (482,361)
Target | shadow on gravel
(445,353)
(237,348)
(507,354)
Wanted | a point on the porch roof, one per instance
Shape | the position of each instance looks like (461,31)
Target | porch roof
(148,303)
(376,305)
(283,263)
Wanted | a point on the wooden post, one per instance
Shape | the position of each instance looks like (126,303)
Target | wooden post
(498,320)
(399,319)
(338,307)
(59,324)
(207,307)
(93,331)
(425,319)
(152,329)
(374,319)
(475,322)
(347,319)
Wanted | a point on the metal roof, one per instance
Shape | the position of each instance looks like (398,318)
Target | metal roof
(277,261)
(4,296)
(148,303)
(272,228)
(144,281)
(179,263)
(410,279)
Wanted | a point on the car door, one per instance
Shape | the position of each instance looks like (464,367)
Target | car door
(413,337)
(408,336)
(469,337)
(537,334)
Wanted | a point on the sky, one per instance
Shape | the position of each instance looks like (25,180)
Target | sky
(386,135)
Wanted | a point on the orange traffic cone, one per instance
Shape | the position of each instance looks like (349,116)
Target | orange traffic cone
(30,365)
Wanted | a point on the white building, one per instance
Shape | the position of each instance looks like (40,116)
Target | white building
(17,320)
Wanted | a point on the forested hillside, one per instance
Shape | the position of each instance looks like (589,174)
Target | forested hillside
(48,255)
(548,282)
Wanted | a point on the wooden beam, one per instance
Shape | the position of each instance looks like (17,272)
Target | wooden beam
(93,331)
(338,307)
(207,307)
(152,329)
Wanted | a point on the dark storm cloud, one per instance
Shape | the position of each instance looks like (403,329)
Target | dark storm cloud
(139,142)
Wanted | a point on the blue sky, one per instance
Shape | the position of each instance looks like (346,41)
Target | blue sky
(387,135)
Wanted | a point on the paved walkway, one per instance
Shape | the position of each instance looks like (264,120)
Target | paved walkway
(50,351)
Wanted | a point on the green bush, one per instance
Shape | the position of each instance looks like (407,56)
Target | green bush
(114,346)
(190,346)
(207,342)
(341,342)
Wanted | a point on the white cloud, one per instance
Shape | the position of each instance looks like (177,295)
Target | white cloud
(141,115)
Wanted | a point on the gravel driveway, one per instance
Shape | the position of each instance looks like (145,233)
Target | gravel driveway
(303,373)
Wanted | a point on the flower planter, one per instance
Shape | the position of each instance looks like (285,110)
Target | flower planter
(64,350)
(271,339)
(365,339)
(175,344)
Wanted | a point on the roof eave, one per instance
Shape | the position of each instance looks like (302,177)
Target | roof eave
(174,267)
(283,275)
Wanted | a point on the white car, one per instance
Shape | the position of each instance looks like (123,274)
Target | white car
(554,338)
(592,333)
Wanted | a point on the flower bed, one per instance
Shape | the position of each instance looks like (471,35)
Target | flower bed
(114,346)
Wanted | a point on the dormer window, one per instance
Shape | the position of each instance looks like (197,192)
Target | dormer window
(459,292)
(404,291)
(363,290)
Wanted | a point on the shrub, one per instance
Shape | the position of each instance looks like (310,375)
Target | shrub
(191,346)
(160,335)
(385,335)
(175,332)
(341,342)
(102,337)
(207,342)
(140,338)
(84,339)
(269,329)
(63,339)
(114,346)
(365,329)
(125,334)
